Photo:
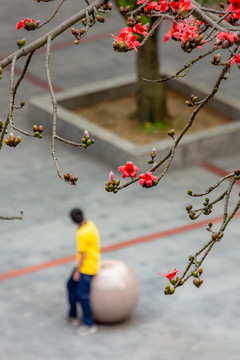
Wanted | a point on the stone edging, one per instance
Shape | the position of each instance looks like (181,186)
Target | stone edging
(222,140)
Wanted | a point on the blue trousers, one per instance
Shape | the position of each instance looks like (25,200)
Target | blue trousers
(79,291)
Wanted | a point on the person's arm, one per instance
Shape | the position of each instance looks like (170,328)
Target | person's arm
(76,274)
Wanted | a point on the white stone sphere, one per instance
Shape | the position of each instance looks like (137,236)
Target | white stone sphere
(114,292)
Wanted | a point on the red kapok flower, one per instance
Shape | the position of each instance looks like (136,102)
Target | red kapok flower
(128,170)
(140,29)
(235,4)
(235,59)
(127,38)
(24,23)
(173,32)
(181,5)
(170,275)
(230,37)
(234,7)
(147,179)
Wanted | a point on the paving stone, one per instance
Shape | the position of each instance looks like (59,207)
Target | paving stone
(194,323)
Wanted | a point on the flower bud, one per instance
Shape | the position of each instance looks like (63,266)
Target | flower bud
(100,18)
(196,282)
(86,133)
(131,22)
(220,236)
(111,176)
(189,192)
(214,236)
(74,31)
(195,274)
(116,46)
(153,152)
(225,44)
(171,132)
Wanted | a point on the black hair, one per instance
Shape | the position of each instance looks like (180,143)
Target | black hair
(77,215)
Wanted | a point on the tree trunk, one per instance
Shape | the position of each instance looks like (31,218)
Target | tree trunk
(151,99)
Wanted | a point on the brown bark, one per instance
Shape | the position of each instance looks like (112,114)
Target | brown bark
(151,98)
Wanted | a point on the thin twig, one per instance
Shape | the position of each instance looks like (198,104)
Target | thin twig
(54,105)
(11,101)
(20,217)
(23,132)
(68,141)
(229,190)
(14,94)
(185,68)
(154,27)
(53,33)
(214,186)
(52,16)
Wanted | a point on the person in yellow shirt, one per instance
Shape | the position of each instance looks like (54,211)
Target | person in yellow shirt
(87,263)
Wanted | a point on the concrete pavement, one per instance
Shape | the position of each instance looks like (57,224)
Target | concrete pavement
(194,323)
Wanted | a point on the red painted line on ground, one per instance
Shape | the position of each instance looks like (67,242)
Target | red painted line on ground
(216,170)
(35,268)
(64,45)
(114,247)
(34,79)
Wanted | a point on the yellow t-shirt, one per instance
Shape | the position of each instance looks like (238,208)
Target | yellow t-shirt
(88,242)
